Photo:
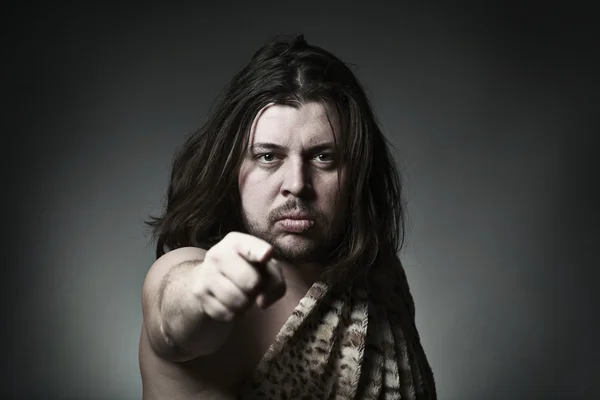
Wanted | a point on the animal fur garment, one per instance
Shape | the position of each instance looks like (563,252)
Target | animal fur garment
(348,340)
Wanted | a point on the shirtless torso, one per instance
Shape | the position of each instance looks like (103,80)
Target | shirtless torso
(220,375)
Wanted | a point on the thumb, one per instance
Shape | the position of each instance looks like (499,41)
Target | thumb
(274,287)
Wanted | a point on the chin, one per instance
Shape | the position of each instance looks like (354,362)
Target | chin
(294,247)
(296,242)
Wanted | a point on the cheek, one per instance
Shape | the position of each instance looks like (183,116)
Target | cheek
(334,197)
(256,192)
(251,195)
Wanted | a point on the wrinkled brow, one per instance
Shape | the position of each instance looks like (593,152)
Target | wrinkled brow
(273,146)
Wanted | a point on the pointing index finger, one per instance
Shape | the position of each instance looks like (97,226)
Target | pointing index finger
(253,249)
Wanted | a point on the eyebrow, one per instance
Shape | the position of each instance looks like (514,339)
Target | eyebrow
(274,146)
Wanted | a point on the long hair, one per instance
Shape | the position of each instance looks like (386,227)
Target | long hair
(203,201)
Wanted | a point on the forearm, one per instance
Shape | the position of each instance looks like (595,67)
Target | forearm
(188,332)
(176,327)
(178,319)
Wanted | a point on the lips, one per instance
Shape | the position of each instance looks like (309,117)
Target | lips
(295,222)
(296,216)
(295,225)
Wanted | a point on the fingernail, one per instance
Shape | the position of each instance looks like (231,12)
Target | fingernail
(265,254)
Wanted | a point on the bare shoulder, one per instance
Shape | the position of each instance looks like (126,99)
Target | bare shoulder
(180,255)
(163,265)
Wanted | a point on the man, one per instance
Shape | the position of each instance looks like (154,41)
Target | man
(277,275)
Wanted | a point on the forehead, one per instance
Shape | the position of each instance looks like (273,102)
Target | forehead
(310,122)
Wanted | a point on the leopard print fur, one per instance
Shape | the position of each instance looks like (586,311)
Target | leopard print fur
(345,341)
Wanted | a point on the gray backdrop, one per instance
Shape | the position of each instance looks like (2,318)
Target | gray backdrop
(492,111)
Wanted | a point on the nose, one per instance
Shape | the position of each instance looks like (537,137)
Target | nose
(296,179)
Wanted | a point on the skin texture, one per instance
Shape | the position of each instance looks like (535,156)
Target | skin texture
(299,175)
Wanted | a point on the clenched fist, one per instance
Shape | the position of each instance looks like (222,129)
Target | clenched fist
(237,272)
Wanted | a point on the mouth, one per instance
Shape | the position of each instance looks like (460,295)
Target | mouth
(295,224)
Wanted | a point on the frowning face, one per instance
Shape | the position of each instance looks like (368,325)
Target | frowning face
(292,190)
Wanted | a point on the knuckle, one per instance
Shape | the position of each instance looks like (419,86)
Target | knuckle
(232,236)
(251,279)
(240,302)
(238,299)
(219,312)
(212,255)
(198,289)
(226,315)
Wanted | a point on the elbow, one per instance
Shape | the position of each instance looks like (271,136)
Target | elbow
(164,346)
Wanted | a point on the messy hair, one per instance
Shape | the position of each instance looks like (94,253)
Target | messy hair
(203,200)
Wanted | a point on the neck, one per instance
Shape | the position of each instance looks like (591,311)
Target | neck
(299,277)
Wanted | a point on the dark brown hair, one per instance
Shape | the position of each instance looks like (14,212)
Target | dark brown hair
(203,202)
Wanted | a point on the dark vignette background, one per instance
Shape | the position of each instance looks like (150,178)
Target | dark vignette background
(493,111)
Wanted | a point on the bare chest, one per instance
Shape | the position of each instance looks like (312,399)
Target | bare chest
(253,336)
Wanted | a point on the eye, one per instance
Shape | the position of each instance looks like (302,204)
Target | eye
(266,158)
(326,157)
